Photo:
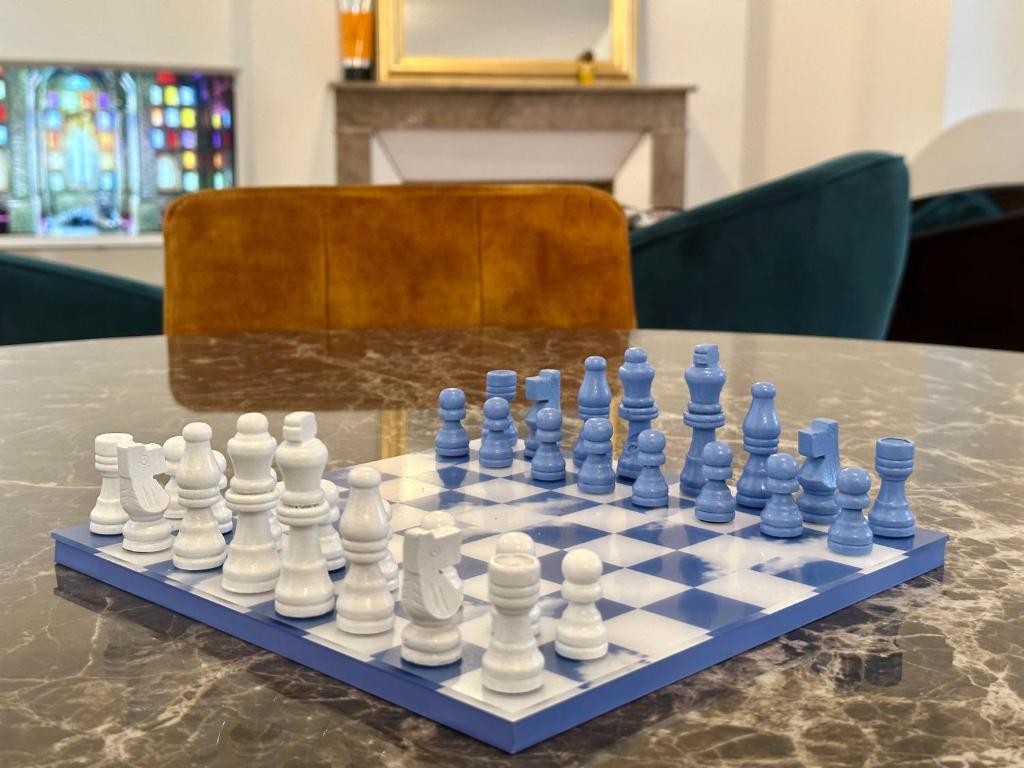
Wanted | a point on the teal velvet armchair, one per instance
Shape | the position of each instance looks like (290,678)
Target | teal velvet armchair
(42,301)
(820,252)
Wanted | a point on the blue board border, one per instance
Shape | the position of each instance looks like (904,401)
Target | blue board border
(504,734)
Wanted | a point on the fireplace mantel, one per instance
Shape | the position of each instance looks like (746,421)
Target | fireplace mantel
(364,109)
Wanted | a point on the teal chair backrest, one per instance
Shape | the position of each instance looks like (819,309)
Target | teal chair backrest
(42,301)
(820,252)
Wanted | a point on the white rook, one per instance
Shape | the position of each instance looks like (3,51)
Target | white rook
(108,516)
(512,662)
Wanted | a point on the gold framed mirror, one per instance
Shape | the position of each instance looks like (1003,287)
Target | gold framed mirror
(535,41)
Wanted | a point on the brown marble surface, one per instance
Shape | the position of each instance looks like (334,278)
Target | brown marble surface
(931,673)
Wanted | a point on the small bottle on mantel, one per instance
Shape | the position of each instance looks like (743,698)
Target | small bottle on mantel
(357,27)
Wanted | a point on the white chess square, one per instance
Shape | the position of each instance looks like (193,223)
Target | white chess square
(470,686)
(653,635)
(616,549)
(761,589)
(879,556)
(739,522)
(406,465)
(517,466)
(502,518)
(728,553)
(605,517)
(404,516)
(211,586)
(485,548)
(134,560)
(406,489)
(620,491)
(501,490)
(638,589)
(360,646)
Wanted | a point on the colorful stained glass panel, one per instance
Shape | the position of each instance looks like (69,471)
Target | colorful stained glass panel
(188,139)
(104,121)
(70,101)
(156,117)
(190,181)
(156,95)
(171,95)
(187,95)
(172,117)
(156,138)
(188,118)
(3,135)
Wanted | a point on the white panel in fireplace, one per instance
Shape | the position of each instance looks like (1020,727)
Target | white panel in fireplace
(483,155)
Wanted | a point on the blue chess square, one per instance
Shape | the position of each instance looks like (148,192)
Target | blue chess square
(813,573)
(551,566)
(919,539)
(576,671)
(469,567)
(680,567)
(265,612)
(754,532)
(569,479)
(340,476)
(703,609)
(670,533)
(563,536)
(472,658)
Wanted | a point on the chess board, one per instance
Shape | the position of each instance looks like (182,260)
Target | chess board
(679,594)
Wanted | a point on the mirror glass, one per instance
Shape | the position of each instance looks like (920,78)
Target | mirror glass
(507,29)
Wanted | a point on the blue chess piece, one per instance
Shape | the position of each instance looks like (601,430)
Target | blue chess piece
(495,448)
(650,488)
(705,379)
(850,533)
(502,383)
(451,441)
(543,391)
(891,516)
(548,463)
(761,430)
(637,408)
(781,516)
(715,503)
(596,474)
(820,447)
(594,399)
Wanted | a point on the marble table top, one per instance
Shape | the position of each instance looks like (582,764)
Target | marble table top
(930,673)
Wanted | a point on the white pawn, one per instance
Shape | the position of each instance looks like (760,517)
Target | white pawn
(517,541)
(365,604)
(143,498)
(388,564)
(221,513)
(173,448)
(304,588)
(432,591)
(108,517)
(580,633)
(330,541)
(252,564)
(512,662)
(199,544)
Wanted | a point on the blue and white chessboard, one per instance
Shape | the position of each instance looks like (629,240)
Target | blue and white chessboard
(679,594)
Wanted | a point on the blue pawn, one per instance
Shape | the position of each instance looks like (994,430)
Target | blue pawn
(451,441)
(502,383)
(637,408)
(761,431)
(650,488)
(548,463)
(820,447)
(594,399)
(850,533)
(543,391)
(596,475)
(781,516)
(891,516)
(495,448)
(715,503)
(705,379)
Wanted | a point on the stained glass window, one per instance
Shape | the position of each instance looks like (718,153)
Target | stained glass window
(96,150)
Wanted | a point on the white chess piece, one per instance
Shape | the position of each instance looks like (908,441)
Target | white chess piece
(517,541)
(580,633)
(221,513)
(388,564)
(365,604)
(304,588)
(512,662)
(252,564)
(432,592)
(173,448)
(108,517)
(330,540)
(199,544)
(143,498)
